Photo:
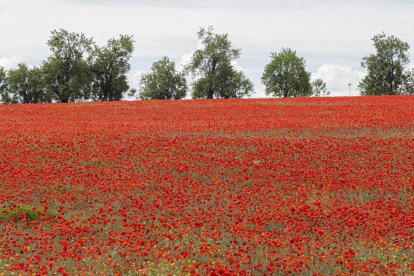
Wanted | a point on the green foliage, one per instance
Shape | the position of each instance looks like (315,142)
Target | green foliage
(163,82)
(110,66)
(286,76)
(319,88)
(18,84)
(67,71)
(3,86)
(386,67)
(408,82)
(77,70)
(25,85)
(211,67)
(19,213)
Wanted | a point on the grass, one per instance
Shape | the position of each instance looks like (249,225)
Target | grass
(20,213)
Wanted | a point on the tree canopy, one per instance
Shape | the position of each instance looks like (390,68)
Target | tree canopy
(80,70)
(286,76)
(212,68)
(3,86)
(25,85)
(408,82)
(76,70)
(319,88)
(110,66)
(163,82)
(67,70)
(386,68)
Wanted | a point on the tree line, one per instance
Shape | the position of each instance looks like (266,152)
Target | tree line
(80,70)
(77,70)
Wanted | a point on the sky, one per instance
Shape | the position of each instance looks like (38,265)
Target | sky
(332,36)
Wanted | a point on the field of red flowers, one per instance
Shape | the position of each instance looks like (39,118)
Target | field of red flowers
(218,187)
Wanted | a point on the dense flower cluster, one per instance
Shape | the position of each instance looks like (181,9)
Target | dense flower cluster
(219,187)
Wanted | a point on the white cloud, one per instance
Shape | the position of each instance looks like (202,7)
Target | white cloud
(338,78)
(10,62)
(186,58)
(237,66)
(134,77)
(259,92)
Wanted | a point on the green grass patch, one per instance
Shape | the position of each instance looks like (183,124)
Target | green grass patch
(20,213)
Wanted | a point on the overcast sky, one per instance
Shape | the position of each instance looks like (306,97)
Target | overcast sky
(332,36)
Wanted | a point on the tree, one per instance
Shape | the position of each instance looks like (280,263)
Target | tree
(212,68)
(286,76)
(319,88)
(385,67)
(37,86)
(67,70)
(163,82)
(408,82)
(110,66)
(3,86)
(26,85)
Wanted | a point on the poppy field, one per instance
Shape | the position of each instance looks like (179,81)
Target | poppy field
(321,186)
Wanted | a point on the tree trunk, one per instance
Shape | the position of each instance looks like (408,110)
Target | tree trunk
(210,94)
